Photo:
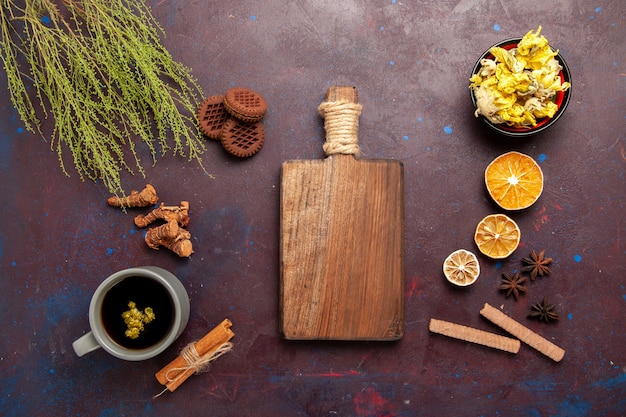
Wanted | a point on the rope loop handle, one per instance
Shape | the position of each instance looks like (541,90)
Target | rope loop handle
(341,122)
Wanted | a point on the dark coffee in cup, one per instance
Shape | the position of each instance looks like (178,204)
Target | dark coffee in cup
(144,292)
(157,316)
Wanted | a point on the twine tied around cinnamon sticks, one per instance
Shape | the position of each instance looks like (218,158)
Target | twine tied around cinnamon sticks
(341,121)
(196,357)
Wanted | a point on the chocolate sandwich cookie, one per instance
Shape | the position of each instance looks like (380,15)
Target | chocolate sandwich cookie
(211,116)
(244,104)
(242,139)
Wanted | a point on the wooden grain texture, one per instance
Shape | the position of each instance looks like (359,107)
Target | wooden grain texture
(341,249)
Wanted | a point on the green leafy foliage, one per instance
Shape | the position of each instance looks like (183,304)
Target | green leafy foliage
(98,68)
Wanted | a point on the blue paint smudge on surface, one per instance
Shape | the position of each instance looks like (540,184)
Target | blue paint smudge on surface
(108,412)
(578,258)
(447,130)
(574,407)
(392,63)
(110,251)
(611,383)
(405,137)
(598,9)
(58,307)
(419,119)
(253,18)
(570,316)
(20,130)
(8,407)
(542,157)
(541,385)
(5,152)
(496,27)
(498,265)
(46,20)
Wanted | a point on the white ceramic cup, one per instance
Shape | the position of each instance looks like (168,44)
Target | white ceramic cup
(98,337)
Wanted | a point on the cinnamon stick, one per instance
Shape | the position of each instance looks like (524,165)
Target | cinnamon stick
(470,334)
(177,371)
(522,333)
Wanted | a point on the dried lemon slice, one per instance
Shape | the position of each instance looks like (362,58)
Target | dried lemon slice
(461,268)
(514,180)
(497,236)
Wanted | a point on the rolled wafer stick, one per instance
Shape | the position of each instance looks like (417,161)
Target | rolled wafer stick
(470,334)
(522,333)
(177,371)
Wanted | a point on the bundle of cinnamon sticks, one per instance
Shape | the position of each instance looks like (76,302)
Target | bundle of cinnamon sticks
(196,357)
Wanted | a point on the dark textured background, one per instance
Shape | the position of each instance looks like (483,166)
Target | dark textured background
(410,61)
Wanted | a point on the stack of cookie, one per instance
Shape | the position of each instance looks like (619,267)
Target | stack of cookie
(235,120)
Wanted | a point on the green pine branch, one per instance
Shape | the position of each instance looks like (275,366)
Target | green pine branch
(98,69)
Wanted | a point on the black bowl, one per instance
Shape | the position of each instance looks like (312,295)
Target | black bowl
(561,98)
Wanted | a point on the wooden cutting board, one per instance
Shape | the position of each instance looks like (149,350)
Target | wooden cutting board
(341,230)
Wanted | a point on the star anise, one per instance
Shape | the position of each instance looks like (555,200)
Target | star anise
(543,311)
(513,284)
(536,264)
